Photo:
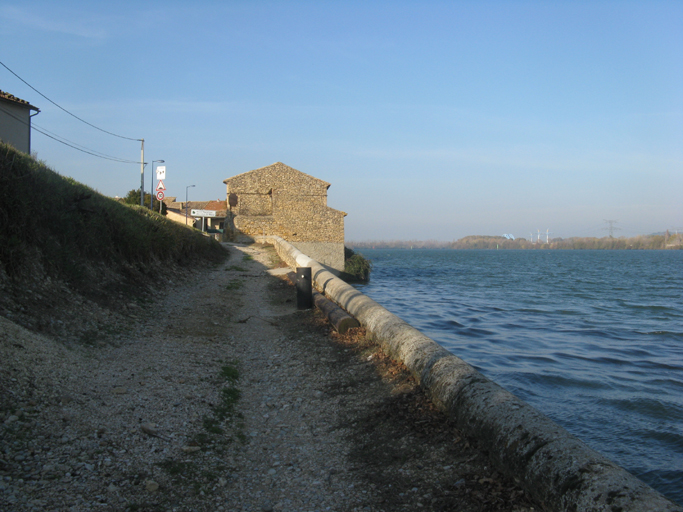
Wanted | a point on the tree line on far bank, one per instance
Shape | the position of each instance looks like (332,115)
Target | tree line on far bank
(663,241)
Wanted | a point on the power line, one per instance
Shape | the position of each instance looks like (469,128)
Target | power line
(72,144)
(61,139)
(87,151)
(65,110)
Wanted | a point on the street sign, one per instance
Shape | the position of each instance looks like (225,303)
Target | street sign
(160,195)
(203,213)
(161,172)
(161,186)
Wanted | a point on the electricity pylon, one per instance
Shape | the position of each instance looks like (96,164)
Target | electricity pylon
(611,227)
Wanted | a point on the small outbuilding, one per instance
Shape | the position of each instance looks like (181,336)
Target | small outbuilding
(278,200)
(15,121)
(209,216)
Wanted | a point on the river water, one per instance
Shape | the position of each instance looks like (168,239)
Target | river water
(593,339)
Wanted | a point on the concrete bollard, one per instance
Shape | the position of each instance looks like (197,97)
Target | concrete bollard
(338,318)
(304,288)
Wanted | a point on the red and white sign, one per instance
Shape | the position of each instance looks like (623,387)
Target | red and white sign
(160,195)
(161,186)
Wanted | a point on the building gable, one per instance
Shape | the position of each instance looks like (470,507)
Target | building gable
(283,201)
(276,176)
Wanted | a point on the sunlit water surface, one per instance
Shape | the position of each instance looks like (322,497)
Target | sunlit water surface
(593,339)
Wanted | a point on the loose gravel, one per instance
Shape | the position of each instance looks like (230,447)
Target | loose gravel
(220,395)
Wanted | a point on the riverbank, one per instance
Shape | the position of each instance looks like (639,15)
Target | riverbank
(666,241)
(589,338)
(554,466)
(219,395)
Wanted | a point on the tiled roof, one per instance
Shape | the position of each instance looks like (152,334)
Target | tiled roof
(179,207)
(216,205)
(196,205)
(10,97)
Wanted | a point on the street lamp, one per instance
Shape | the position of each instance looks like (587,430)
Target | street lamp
(151,185)
(189,186)
(142,172)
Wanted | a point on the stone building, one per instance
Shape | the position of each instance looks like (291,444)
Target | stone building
(282,201)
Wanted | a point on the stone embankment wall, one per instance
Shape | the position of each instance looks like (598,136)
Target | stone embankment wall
(556,468)
(278,200)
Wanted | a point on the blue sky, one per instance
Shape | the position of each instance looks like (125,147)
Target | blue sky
(431,120)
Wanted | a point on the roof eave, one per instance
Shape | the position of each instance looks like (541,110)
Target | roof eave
(16,101)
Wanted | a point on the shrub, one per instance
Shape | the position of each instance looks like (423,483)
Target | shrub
(133,198)
(356,266)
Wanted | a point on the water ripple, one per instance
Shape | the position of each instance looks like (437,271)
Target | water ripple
(591,338)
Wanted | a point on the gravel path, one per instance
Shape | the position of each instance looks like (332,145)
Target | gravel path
(221,396)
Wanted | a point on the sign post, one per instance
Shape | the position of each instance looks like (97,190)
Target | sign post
(203,214)
(161,176)
(151,182)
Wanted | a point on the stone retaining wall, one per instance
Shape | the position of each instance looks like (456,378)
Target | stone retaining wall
(555,467)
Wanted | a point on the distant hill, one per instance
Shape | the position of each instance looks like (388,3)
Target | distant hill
(657,241)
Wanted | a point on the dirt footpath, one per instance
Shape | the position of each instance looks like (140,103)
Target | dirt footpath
(220,395)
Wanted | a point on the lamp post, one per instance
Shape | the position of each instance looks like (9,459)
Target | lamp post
(189,186)
(142,172)
(151,186)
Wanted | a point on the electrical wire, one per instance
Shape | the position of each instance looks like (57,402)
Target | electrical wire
(48,133)
(65,110)
(69,143)
(87,151)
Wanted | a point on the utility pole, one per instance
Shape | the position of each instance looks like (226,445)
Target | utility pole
(186,188)
(142,172)
(611,227)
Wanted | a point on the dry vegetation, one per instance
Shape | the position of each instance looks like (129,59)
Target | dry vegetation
(664,241)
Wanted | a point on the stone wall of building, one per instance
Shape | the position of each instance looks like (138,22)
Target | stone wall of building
(278,200)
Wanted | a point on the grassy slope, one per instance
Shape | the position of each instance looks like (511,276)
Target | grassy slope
(52,226)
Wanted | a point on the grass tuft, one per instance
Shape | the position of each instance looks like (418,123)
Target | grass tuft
(235,284)
(230,373)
